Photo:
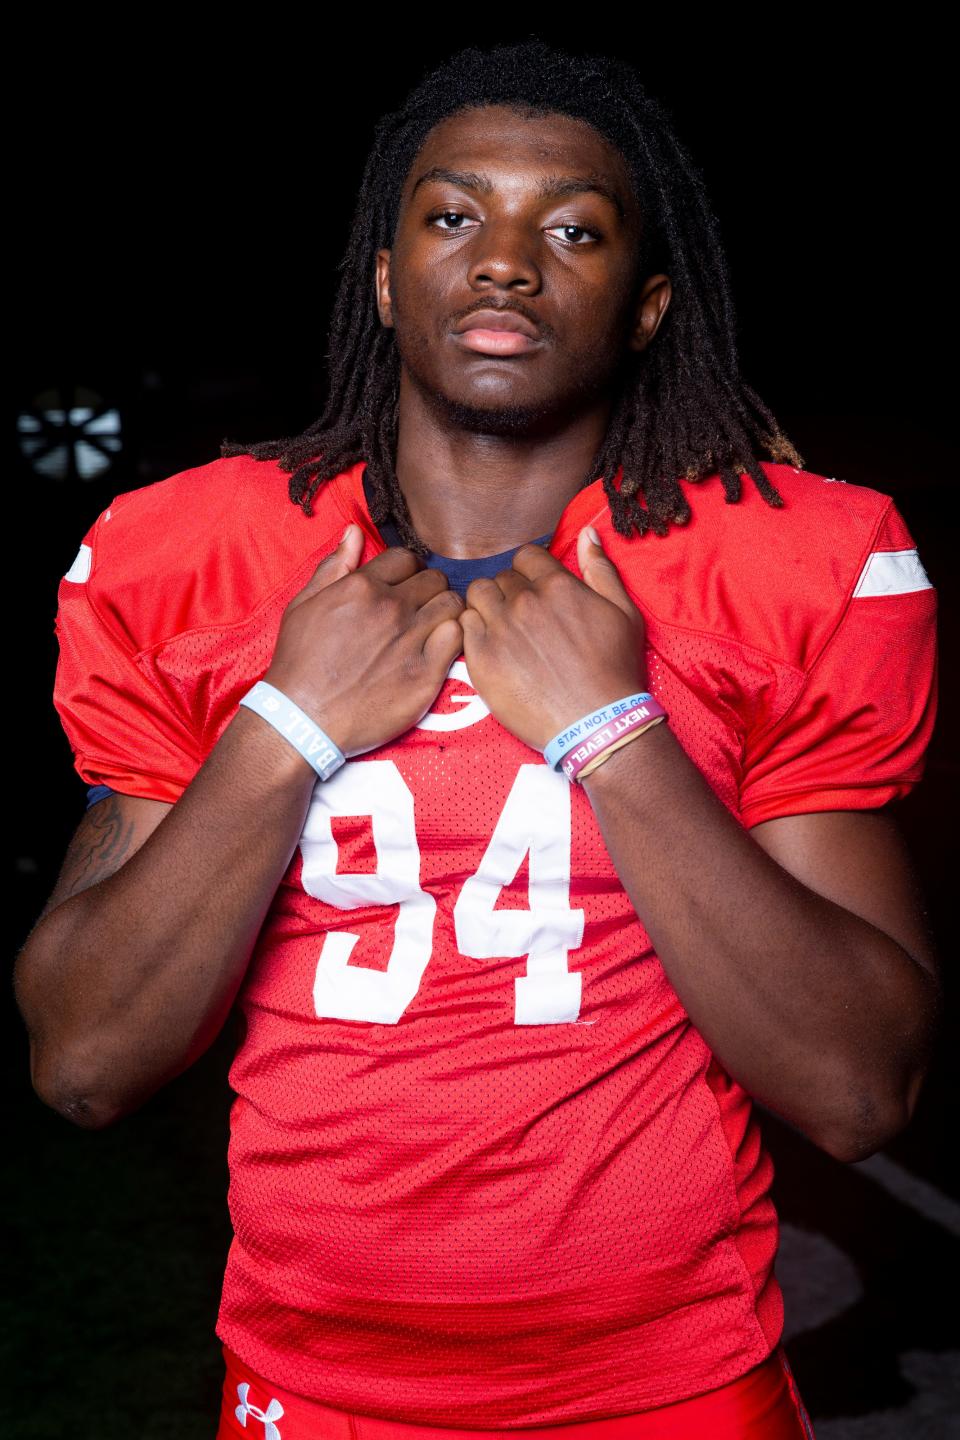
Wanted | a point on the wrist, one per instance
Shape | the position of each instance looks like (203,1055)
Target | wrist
(283,714)
(576,749)
(269,752)
(644,749)
(301,695)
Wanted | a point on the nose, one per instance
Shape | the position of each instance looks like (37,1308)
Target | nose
(504,254)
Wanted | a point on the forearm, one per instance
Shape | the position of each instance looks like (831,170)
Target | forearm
(125,984)
(815,1012)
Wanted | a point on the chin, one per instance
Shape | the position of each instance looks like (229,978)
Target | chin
(499,418)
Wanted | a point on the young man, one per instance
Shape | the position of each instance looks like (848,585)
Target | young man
(493,1158)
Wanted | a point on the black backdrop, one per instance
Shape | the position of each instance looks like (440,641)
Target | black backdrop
(180,208)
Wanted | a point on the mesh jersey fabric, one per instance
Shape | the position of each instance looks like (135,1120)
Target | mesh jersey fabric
(484,1171)
(459,574)
(763,1404)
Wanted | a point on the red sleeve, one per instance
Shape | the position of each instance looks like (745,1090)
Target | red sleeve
(123,732)
(856,735)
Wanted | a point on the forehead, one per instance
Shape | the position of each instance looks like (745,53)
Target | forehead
(505,141)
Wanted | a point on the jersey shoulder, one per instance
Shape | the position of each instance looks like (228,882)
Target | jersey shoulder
(775,578)
(204,547)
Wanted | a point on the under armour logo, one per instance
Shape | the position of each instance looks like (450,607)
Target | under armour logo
(273,1412)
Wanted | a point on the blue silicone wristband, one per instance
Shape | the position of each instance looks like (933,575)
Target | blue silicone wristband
(294,725)
(573,734)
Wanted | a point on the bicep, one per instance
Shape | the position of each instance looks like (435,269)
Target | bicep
(859,860)
(110,833)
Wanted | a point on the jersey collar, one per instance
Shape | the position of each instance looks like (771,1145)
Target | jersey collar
(588,505)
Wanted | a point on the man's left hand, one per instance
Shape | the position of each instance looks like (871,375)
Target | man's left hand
(544,648)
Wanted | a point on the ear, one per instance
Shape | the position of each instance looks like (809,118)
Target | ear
(652,302)
(384,302)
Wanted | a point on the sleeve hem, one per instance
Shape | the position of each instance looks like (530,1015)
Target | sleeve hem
(815,801)
(140,786)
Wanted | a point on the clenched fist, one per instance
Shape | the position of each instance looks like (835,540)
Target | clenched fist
(364,650)
(544,648)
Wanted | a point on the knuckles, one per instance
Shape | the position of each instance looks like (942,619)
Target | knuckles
(555,583)
(483,585)
(529,548)
(438,582)
(526,602)
(451,600)
(364,582)
(390,609)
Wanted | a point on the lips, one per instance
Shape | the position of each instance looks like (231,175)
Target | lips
(498,320)
(497,332)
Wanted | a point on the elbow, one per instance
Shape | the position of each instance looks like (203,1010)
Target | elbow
(74,1102)
(875,1125)
(864,1123)
(66,1075)
(879,1115)
(91,1088)
(50,1078)
(81,1112)
(856,1144)
(67,1086)
(55,1084)
(852,1150)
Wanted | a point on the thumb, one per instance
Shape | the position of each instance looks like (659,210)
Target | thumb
(600,573)
(443,645)
(346,557)
(340,562)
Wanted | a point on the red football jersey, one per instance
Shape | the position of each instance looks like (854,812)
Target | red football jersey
(484,1171)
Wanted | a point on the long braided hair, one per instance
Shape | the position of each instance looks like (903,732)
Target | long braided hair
(681,410)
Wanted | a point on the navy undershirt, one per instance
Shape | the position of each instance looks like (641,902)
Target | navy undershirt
(459,573)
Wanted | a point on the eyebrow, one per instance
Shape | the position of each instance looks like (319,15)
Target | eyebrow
(550,186)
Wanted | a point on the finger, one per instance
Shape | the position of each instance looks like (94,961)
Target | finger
(510,582)
(421,587)
(600,573)
(535,561)
(473,627)
(333,567)
(443,645)
(484,595)
(394,564)
(441,607)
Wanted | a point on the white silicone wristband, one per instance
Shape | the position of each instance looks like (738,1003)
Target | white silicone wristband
(295,725)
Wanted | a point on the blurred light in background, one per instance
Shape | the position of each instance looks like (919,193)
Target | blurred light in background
(70,434)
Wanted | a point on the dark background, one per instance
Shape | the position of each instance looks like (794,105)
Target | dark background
(181,208)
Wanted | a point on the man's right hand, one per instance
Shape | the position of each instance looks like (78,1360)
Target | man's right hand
(364,650)
(133,968)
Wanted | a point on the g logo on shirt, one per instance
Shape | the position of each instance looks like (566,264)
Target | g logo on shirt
(472,708)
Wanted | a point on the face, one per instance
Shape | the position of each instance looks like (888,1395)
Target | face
(534,219)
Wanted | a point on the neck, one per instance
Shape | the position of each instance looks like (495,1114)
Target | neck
(472,494)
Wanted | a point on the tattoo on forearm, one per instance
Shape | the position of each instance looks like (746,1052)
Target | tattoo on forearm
(99,847)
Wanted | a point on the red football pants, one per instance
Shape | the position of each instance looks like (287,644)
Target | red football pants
(764,1404)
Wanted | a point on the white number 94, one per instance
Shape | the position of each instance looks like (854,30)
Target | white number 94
(534,819)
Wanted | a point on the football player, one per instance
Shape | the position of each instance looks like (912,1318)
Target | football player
(515,747)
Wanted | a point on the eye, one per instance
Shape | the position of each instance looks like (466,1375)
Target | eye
(572,225)
(447,215)
(458,215)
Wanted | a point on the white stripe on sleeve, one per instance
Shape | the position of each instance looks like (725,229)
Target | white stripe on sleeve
(80,569)
(891,572)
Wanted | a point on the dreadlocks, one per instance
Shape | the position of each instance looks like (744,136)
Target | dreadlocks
(681,407)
